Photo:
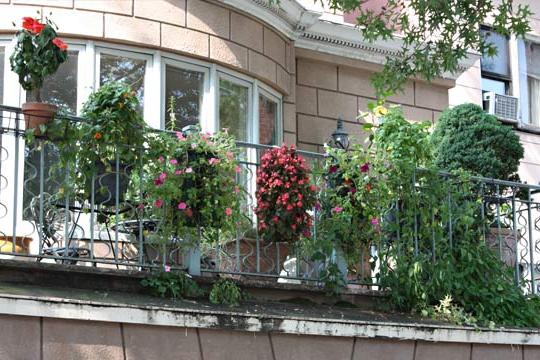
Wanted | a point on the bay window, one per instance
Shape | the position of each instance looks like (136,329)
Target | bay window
(203,93)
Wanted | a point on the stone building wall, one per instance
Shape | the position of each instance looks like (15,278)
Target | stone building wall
(28,338)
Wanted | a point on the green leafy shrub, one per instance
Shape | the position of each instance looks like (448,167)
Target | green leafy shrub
(468,138)
(226,291)
(175,284)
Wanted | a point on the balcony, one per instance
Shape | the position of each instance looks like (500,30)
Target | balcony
(111,225)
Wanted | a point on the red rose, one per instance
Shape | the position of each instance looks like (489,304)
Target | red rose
(38,27)
(28,23)
(60,44)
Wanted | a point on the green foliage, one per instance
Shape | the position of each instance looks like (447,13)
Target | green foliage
(36,55)
(227,292)
(175,284)
(435,35)
(190,183)
(468,138)
(113,130)
(471,273)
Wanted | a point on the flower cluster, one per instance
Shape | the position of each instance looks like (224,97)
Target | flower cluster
(38,52)
(192,181)
(284,195)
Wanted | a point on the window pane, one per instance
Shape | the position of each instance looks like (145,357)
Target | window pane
(268,121)
(534,101)
(497,86)
(121,68)
(233,108)
(497,64)
(60,88)
(187,89)
(2,55)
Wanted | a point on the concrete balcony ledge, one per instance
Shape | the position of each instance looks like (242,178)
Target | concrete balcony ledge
(285,318)
(90,294)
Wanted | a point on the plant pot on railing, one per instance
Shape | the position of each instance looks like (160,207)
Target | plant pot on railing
(37,114)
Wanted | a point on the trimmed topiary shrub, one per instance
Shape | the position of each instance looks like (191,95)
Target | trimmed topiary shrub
(468,138)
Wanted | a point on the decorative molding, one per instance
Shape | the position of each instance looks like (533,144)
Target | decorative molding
(310,29)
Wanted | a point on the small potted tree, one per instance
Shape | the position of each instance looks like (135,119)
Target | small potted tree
(285,196)
(38,53)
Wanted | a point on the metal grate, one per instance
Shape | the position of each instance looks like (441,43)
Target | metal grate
(506,107)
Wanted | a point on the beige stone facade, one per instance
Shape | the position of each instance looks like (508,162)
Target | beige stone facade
(321,76)
(31,338)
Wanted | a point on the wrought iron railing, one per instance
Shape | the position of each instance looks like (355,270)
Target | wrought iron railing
(106,230)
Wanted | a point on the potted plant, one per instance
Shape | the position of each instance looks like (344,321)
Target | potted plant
(106,146)
(285,196)
(190,184)
(38,53)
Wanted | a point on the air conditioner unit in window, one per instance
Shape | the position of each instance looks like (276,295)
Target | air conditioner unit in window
(504,107)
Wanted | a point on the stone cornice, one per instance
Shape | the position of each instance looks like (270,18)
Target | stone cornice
(310,29)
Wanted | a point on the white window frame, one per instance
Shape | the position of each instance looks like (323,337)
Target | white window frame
(137,55)
(205,115)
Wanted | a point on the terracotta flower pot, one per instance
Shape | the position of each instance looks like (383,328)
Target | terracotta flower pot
(37,113)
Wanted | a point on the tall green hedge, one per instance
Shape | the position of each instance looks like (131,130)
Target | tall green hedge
(466,137)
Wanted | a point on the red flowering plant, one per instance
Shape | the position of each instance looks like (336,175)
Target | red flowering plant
(191,184)
(285,196)
(38,53)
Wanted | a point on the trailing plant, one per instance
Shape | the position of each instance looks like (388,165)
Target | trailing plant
(466,137)
(175,284)
(284,195)
(227,292)
(112,134)
(191,184)
(38,53)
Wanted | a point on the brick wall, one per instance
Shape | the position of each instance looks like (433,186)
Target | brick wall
(326,90)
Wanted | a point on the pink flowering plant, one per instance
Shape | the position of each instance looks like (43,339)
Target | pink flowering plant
(285,195)
(191,182)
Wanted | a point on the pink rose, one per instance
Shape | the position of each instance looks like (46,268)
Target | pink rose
(337,209)
(189,170)
(178,172)
(158,203)
(182,206)
(180,136)
(238,169)
(213,161)
(173,161)
(228,211)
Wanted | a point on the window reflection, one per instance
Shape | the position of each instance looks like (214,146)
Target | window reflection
(268,120)
(129,70)
(234,108)
(187,89)
(60,88)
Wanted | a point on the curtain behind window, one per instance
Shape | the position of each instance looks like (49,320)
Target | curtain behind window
(534,101)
